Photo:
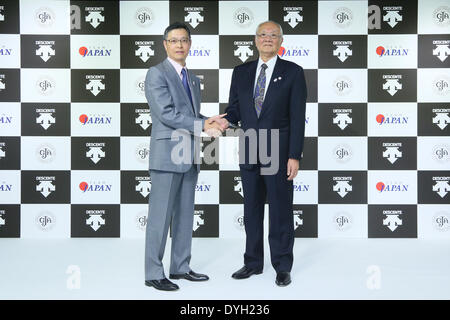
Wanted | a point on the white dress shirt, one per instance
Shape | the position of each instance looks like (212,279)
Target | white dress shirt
(269,70)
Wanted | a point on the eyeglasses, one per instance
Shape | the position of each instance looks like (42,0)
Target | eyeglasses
(270,36)
(175,41)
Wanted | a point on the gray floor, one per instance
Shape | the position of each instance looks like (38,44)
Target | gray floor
(323,269)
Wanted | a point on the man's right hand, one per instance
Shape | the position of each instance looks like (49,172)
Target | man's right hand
(219,119)
(215,126)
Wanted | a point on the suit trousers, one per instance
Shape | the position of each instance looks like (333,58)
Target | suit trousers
(279,192)
(171,202)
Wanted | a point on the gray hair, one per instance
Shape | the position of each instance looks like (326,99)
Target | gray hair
(271,21)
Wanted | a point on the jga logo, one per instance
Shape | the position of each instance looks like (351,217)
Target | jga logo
(45,85)
(144,17)
(44,17)
(239,221)
(243,17)
(342,220)
(441,16)
(342,86)
(141,220)
(441,153)
(45,153)
(45,221)
(142,152)
(441,85)
(343,17)
(441,221)
(139,86)
(342,153)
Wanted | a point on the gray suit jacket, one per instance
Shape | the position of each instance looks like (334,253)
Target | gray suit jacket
(171,110)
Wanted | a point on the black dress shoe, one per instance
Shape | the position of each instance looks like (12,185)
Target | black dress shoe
(283,279)
(245,273)
(191,276)
(162,284)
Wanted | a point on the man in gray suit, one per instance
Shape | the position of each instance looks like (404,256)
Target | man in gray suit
(173,94)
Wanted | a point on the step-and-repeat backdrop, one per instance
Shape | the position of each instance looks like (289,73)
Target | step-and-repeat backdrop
(75,126)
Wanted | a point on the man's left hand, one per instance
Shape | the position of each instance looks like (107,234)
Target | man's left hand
(292,168)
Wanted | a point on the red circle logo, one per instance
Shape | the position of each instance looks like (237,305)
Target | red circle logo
(82,51)
(281,51)
(83,118)
(380,186)
(83,186)
(380,51)
(380,118)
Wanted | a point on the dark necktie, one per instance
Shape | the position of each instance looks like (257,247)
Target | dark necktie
(186,86)
(260,88)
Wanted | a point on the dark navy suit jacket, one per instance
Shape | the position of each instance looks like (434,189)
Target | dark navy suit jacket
(283,108)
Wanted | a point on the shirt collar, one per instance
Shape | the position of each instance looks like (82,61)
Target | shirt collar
(178,67)
(270,64)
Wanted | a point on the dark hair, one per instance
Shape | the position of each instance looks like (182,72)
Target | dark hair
(176,25)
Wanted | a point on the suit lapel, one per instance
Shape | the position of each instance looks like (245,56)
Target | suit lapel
(278,72)
(175,79)
(194,86)
(251,80)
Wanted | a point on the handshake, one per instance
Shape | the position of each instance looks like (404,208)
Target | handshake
(216,125)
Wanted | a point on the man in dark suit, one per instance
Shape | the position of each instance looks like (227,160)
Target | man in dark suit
(269,95)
